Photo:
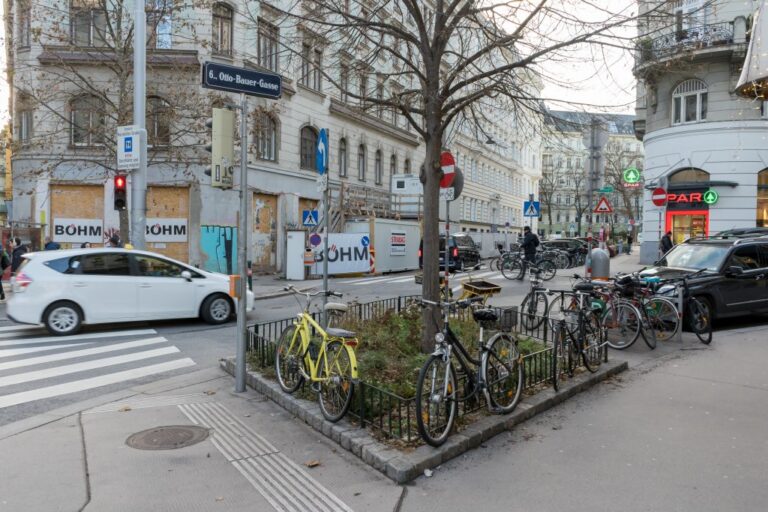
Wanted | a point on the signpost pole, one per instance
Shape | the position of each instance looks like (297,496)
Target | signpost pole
(242,250)
(447,251)
(327,223)
(139,178)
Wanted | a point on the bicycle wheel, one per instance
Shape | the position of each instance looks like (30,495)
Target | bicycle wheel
(548,269)
(289,359)
(503,373)
(436,400)
(533,311)
(512,268)
(593,343)
(662,314)
(562,261)
(336,385)
(700,319)
(622,325)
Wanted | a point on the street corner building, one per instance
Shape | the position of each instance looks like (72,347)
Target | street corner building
(705,146)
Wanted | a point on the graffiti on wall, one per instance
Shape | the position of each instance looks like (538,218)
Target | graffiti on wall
(219,247)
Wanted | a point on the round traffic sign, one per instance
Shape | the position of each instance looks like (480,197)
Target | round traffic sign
(365,241)
(659,196)
(448,166)
(315,239)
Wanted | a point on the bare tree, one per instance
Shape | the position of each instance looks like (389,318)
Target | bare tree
(617,160)
(445,62)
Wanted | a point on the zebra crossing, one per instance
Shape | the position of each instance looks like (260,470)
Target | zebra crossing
(35,367)
(488,275)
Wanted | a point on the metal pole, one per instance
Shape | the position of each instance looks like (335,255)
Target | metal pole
(242,249)
(592,171)
(447,251)
(139,178)
(326,216)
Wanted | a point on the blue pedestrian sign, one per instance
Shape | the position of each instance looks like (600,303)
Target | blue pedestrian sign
(531,209)
(128,146)
(309,218)
(321,152)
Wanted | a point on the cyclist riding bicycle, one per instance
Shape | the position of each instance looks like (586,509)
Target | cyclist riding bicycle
(529,245)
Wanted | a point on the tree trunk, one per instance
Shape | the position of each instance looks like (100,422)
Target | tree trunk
(431,238)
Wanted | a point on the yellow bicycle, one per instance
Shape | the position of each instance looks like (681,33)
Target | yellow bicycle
(325,357)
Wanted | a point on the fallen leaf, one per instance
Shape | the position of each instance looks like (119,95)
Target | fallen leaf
(124,408)
(312,463)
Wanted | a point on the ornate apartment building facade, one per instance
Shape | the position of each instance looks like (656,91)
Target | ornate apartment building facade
(70,70)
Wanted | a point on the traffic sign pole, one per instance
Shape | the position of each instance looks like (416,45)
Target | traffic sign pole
(242,249)
(322,169)
(137,230)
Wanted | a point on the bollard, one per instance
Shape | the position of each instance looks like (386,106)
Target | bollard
(601,265)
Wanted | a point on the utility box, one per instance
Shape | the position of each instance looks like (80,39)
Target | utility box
(396,242)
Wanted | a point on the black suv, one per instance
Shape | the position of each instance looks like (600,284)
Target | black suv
(735,281)
(463,252)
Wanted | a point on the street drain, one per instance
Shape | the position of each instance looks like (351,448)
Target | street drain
(167,438)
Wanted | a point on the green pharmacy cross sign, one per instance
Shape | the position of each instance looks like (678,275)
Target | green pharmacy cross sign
(711,196)
(631,175)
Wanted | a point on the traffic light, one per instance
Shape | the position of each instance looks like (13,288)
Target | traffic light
(121,201)
(222,147)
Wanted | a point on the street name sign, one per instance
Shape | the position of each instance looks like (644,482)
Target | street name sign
(242,80)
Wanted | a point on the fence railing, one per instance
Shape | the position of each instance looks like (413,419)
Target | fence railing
(388,413)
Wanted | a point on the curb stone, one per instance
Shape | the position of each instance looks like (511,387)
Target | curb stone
(403,467)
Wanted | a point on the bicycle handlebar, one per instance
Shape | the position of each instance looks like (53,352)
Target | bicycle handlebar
(329,293)
(463,303)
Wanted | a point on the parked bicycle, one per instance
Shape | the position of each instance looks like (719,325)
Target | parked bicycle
(697,311)
(580,333)
(496,373)
(325,357)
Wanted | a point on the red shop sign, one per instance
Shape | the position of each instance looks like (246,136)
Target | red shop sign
(693,197)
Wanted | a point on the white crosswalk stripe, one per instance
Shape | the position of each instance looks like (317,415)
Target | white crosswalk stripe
(400,279)
(36,368)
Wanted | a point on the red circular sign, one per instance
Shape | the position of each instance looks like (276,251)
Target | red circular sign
(448,165)
(659,196)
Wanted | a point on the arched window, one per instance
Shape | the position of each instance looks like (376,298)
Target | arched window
(343,161)
(762,198)
(87,121)
(392,165)
(689,102)
(265,136)
(222,29)
(307,149)
(407,166)
(361,162)
(378,172)
(689,176)
(158,121)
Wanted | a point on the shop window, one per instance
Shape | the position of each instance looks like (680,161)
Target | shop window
(762,198)
(689,102)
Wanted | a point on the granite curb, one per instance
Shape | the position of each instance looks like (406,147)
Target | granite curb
(402,467)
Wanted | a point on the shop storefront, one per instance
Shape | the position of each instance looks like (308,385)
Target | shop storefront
(687,215)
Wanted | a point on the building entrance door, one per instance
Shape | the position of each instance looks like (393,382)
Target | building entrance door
(687,224)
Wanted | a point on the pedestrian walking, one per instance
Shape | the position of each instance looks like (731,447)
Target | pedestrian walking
(666,244)
(629,243)
(18,250)
(529,245)
(5,262)
(50,245)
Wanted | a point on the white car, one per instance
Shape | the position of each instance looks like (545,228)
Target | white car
(65,289)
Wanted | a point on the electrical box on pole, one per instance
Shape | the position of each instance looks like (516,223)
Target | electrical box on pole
(222,147)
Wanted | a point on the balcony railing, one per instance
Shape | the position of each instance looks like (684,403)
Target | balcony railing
(689,39)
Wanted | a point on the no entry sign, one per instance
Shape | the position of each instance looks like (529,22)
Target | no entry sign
(659,196)
(448,165)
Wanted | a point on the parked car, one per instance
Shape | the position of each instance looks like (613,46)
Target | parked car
(464,253)
(65,289)
(741,232)
(735,279)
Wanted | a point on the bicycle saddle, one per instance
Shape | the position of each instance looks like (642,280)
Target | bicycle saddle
(584,287)
(336,306)
(485,315)
(335,332)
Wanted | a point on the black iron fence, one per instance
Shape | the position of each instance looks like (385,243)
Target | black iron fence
(388,413)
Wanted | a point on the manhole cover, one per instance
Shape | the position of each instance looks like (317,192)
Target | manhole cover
(167,438)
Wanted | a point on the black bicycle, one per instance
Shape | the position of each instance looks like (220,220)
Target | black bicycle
(497,373)
(697,310)
(578,319)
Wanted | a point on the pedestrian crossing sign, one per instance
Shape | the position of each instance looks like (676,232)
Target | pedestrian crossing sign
(309,218)
(531,209)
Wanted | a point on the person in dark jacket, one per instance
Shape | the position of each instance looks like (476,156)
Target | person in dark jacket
(5,262)
(666,243)
(50,245)
(529,245)
(629,243)
(18,249)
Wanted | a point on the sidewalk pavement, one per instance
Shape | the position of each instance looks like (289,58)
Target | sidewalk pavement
(254,459)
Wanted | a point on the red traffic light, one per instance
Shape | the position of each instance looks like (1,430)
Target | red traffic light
(120,182)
